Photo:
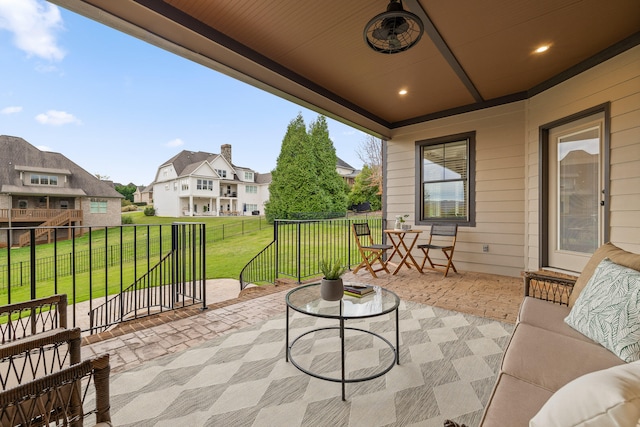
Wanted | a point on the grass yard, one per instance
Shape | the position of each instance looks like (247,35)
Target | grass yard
(231,243)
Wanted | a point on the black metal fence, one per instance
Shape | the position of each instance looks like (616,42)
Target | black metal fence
(298,247)
(178,280)
(92,264)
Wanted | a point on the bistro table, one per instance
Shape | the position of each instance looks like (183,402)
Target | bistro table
(306,300)
(397,238)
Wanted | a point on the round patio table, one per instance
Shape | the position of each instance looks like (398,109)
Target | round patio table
(306,299)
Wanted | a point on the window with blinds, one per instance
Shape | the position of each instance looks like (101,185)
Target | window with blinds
(446,180)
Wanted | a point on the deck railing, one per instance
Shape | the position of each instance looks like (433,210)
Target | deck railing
(298,247)
(36,215)
(178,280)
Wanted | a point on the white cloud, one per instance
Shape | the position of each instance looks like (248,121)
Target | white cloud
(175,143)
(11,110)
(57,118)
(34,25)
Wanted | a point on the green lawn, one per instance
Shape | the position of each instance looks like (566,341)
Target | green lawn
(231,243)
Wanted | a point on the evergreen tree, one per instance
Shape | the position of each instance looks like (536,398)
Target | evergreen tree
(329,180)
(292,181)
(305,182)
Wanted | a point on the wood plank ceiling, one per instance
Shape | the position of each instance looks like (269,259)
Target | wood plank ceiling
(473,54)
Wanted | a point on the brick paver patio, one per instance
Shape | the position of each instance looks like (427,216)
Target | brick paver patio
(135,342)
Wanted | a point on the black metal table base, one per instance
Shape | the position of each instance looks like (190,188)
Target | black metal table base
(343,380)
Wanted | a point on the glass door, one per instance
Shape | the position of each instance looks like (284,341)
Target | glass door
(575,193)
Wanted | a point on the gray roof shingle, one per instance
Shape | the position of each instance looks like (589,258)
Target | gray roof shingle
(18,155)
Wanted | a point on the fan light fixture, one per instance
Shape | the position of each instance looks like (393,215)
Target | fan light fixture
(393,31)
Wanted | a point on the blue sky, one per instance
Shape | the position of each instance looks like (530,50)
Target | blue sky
(120,107)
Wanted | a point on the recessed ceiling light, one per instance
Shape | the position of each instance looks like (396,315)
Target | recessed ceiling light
(402,92)
(542,48)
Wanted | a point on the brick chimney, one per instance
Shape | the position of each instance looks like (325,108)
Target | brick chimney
(225,150)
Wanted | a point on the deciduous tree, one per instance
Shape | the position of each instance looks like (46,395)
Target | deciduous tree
(363,191)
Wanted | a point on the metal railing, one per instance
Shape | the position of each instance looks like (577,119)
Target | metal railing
(96,263)
(178,280)
(298,247)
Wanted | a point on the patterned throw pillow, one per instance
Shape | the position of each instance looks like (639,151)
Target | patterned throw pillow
(608,310)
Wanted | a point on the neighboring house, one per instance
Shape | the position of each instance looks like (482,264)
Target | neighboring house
(199,183)
(40,188)
(347,172)
(143,194)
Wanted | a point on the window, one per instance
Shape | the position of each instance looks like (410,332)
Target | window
(44,179)
(222,173)
(98,206)
(64,204)
(248,176)
(22,204)
(204,184)
(250,208)
(446,179)
(253,189)
(184,184)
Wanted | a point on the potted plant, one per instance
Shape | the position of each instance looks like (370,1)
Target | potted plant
(400,221)
(331,287)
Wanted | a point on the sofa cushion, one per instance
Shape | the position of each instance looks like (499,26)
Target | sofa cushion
(608,310)
(549,316)
(608,250)
(607,397)
(513,403)
(550,360)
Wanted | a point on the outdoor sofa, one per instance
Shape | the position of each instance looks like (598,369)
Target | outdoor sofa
(587,374)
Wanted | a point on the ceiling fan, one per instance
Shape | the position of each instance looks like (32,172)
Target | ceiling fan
(393,31)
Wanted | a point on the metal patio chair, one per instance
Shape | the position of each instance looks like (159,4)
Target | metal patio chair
(441,232)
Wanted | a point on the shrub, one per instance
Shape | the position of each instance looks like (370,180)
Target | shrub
(127,219)
(149,211)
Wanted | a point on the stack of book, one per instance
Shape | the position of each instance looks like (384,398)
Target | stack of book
(357,290)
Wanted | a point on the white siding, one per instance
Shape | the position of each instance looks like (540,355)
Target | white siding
(507,166)
(500,204)
(616,81)
(166,201)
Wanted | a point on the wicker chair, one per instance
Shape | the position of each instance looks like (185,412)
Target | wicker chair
(38,355)
(63,398)
(556,289)
(23,319)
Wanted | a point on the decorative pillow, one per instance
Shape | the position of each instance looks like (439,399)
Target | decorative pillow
(608,310)
(610,397)
(608,250)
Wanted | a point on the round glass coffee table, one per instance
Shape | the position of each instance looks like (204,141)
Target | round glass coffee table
(306,300)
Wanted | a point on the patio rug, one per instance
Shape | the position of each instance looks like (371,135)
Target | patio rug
(448,364)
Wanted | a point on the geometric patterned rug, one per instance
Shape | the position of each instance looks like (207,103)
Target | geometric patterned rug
(448,365)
